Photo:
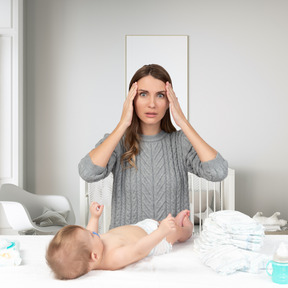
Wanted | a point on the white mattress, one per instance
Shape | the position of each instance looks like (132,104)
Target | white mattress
(181,267)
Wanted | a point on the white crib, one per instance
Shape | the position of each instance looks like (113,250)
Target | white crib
(214,196)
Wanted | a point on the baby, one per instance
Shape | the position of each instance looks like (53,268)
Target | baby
(74,250)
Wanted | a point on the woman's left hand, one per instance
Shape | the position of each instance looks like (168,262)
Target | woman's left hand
(175,108)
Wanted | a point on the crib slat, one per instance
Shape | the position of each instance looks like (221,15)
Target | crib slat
(192,212)
(200,208)
(207,198)
(214,196)
(222,195)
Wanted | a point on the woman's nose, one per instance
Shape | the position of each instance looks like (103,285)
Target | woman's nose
(152,102)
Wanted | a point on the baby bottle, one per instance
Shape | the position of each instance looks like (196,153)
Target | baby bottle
(278,267)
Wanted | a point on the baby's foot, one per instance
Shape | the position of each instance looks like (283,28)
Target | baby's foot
(187,229)
(180,217)
(187,222)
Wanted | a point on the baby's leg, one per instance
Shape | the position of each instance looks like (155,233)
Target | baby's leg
(182,233)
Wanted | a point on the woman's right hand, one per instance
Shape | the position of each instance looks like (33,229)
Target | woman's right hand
(127,112)
(102,153)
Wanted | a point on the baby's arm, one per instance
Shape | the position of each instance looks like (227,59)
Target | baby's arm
(137,251)
(95,211)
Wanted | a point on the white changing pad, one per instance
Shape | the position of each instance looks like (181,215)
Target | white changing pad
(181,267)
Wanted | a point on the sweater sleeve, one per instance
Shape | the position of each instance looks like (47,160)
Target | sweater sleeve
(93,173)
(213,170)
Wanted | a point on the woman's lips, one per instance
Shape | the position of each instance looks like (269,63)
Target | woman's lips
(151,115)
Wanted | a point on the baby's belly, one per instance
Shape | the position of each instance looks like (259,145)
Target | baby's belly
(128,234)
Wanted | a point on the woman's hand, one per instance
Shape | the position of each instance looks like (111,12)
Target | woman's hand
(203,150)
(101,154)
(175,108)
(127,112)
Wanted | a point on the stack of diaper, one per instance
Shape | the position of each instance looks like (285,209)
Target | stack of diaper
(9,253)
(229,242)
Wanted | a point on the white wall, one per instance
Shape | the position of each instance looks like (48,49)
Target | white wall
(75,79)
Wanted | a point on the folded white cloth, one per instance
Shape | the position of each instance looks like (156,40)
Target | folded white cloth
(236,222)
(231,228)
(210,239)
(272,227)
(228,242)
(227,259)
(255,229)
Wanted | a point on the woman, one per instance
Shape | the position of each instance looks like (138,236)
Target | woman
(149,159)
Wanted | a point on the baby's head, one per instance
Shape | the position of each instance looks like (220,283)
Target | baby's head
(69,253)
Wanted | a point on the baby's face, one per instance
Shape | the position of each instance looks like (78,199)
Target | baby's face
(93,240)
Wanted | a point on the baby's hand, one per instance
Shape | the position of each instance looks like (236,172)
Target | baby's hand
(96,209)
(168,224)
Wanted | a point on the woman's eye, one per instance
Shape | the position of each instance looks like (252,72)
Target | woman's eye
(142,94)
(160,95)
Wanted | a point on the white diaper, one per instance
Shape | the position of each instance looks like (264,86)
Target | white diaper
(149,225)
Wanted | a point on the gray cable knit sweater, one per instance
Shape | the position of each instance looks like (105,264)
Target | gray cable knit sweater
(159,186)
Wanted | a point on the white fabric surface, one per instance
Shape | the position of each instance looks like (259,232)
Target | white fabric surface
(180,267)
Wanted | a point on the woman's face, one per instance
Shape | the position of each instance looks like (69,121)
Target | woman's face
(151,103)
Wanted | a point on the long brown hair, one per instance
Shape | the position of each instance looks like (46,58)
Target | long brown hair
(132,135)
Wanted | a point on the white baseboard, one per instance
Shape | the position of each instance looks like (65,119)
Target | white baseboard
(7,231)
(5,228)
